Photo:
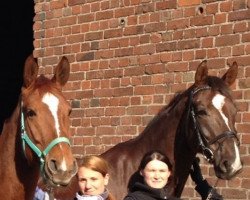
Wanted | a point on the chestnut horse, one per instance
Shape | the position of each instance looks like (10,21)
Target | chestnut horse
(35,138)
(199,120)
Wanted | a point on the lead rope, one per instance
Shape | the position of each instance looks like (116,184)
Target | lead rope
(51,194)
(209,197)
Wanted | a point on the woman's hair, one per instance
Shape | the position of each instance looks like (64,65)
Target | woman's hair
(98,164)
(155,155)
(95,163)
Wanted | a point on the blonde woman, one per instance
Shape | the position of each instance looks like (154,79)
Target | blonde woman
(93,178)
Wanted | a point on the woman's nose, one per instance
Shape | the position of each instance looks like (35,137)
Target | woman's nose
(88,185)
(156,175)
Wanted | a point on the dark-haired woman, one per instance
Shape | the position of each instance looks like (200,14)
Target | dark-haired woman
(155,168)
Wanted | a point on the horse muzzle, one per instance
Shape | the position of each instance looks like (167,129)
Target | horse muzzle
(227,169)
(57,174)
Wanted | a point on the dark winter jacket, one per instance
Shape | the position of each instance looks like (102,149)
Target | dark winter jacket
(143,192)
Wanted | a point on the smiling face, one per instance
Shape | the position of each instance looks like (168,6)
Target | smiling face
(91,182)
(156,174)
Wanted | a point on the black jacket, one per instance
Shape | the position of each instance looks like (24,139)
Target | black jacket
(143,192)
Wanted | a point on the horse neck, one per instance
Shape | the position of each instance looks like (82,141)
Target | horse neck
(13,164)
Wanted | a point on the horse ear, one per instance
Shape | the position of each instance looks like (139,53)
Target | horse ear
(201,73)
(231,74)
(30,71)
(62,72)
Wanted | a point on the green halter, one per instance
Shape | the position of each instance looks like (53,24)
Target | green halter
(41,154)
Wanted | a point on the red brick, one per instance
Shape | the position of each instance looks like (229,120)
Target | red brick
(153,69)
(154,27)
(201,21)
(95,6)
(220,18)
(174,67)
(239,15)
(104,15)
(227,40)
(168,4)
(112,33)
(136,110)
(212,8)
(123,12)
(212,53)
(177,24)
(149,59)
(76,2)
(188,2)
(239,5)
(246,37)
(86,18)
(226,6)
(144,8)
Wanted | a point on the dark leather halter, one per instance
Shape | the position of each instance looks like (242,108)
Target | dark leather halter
(204,144)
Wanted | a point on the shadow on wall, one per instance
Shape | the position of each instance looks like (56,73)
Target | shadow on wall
(16,39)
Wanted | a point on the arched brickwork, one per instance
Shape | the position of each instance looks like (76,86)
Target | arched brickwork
(129,57)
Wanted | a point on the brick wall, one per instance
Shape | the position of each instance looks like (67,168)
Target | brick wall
(129,57)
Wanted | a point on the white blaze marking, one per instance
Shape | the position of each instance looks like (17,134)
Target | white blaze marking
(64,165)
(52,102)
(218,102)
(237,163)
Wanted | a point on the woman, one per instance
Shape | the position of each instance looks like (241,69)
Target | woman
(155,168)
(93,178)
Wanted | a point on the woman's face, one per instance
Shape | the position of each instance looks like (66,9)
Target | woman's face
(156,174)
(91,182)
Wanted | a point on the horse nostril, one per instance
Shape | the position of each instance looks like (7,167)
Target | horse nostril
(226,164)
(52,166)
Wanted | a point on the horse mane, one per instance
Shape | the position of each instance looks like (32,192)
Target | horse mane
(169,107)
(216,84)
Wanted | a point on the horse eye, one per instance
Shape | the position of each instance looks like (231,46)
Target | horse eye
(31,113)
(201,112)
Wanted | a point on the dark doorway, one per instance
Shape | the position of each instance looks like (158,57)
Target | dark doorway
(16,43)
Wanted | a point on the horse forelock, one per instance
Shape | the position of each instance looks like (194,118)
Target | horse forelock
(217,84)
(42,85)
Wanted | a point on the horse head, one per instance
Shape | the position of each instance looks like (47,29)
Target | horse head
(212,114)
(45,123)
